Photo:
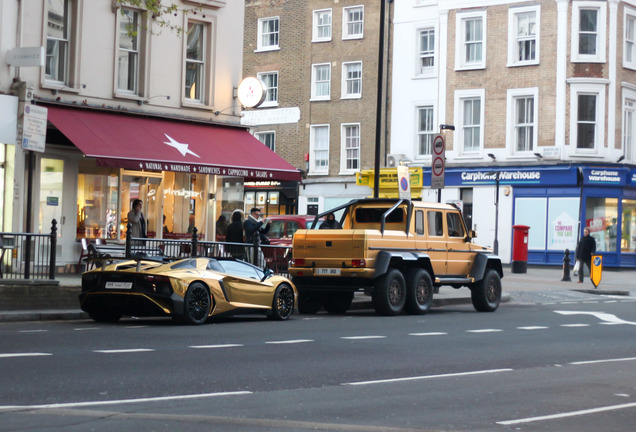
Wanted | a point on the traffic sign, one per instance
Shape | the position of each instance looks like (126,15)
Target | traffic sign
(596,272)
(438,162)
(404,184)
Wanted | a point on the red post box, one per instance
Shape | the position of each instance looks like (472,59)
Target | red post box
(520,248)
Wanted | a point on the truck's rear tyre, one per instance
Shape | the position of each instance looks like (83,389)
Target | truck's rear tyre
(486,294)
(337,303)
(419,291)
(389,293)
(308,303)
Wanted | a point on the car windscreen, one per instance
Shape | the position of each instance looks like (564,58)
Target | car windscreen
(240,269)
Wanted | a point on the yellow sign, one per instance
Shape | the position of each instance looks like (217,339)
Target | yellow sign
(596,272)
(389,181)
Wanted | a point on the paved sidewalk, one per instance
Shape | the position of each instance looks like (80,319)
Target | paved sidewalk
(17,305)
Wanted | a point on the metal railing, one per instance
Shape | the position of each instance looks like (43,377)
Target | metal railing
(29,256)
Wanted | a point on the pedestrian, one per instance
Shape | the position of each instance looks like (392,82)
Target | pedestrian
(255,226)
(221,228)
(331,222)
(234,234)
(584,252)
(136,220)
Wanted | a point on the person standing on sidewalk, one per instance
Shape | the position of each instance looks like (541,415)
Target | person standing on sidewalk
(584,252)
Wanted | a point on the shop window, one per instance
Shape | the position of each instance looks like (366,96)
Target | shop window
(628,226)
(184,205)
(532,212)
(97,196)
(601,217)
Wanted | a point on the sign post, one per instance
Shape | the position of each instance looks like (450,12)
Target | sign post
(404,184)
(438,161)
(596,272)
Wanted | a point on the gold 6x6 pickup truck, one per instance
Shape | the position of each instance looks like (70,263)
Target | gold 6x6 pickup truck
(398,252)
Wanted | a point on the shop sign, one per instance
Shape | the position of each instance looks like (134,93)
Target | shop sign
(34,128)
(271,116)
(52,201)
(602,176)
(8,118)
(548,176)
(26,56)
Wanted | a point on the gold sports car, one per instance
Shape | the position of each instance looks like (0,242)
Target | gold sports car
(189,289)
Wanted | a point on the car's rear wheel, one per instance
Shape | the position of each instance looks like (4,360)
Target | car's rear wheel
(389,293)
(337,303)
(419,291)
(198,304)
(283,303)
(486,294)
(104,316)
(309,303)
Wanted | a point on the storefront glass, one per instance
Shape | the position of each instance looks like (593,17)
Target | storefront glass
(229,196)
(97,199)
(628,227)
(532,212)
(601,217)
(184,199)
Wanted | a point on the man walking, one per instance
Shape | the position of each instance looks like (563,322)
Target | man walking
(584,252)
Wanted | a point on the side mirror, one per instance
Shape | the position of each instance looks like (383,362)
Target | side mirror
(267,273)
(471,235)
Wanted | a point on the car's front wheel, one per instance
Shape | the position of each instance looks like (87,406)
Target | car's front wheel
(486,294)
(198,304)
(283,302)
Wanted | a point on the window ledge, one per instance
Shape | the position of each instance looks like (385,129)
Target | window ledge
(319,99)
(260,50)
(521,64)
(320,40)
(59,87)
(195,105)
(352,97)
(355,37)
(470,67)
(324,174)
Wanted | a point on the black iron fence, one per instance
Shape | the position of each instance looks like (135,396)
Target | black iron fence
(28,255)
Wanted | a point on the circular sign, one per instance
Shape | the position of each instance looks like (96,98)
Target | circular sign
(404,184)
(438,166)
(597,261)
(438,145)
(251,92)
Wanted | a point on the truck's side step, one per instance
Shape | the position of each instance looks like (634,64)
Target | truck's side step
(453,280)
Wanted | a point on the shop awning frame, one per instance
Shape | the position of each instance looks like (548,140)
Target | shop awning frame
(136,142)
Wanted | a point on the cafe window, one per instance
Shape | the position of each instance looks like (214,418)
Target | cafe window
(184,199)
(97,195)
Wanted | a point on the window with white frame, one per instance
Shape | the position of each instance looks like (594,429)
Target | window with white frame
(587,105)
(426,51)
(128,59)
(270,82)
(268,138)
(353,22)
(350,138)
(321,25)
(321,81)
(268,34)
(522,115)
(588,31)
(523,38)
(425,130)
(469,114)
(352,80)
(471,40)
(319,149)
(629,57)
(629,143)
(58,41)
(195,63)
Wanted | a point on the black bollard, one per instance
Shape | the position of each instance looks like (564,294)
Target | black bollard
(566,267)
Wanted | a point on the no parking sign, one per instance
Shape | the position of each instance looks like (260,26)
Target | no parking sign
(404,184)
(596,272)
(438,162)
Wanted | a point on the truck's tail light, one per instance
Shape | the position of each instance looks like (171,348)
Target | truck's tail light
(298,262)
(358,263)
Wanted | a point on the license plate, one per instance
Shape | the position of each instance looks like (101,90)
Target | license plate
(328,271)
(119,285)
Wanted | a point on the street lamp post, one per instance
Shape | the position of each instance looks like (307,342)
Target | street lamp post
(496,241)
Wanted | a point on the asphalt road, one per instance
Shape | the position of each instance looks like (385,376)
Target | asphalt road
(554,364)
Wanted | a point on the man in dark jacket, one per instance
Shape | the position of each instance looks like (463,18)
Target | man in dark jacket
(584,252)
(254,226)
(330,223)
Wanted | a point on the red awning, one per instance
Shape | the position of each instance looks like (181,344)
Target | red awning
(134,142)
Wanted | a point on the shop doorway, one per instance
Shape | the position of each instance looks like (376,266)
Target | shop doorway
(147,187)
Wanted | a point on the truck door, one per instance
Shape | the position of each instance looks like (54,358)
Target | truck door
(436,240)
(460,256)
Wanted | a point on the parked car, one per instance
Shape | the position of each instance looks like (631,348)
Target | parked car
(190,289)
(284,226)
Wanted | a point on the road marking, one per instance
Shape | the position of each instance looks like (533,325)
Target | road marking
(609,318)
(293,341)
(36,354)
(428,334)
(216,346)
(423,377)
(120,351)
(575,325)
(122,401)
(533,328)
(34,331)
(603,361)
(362,337)
(86,328)
(568,414)
(484,331)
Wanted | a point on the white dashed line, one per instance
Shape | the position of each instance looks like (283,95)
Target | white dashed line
(575,325)
(362,337)
(36,354)
(604,361)
(123,351)
(569,414)
(293,341)
(215,346)
(415,378)
(484,331)
(86,328)
(533,328)
(428,334)
(33,331)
